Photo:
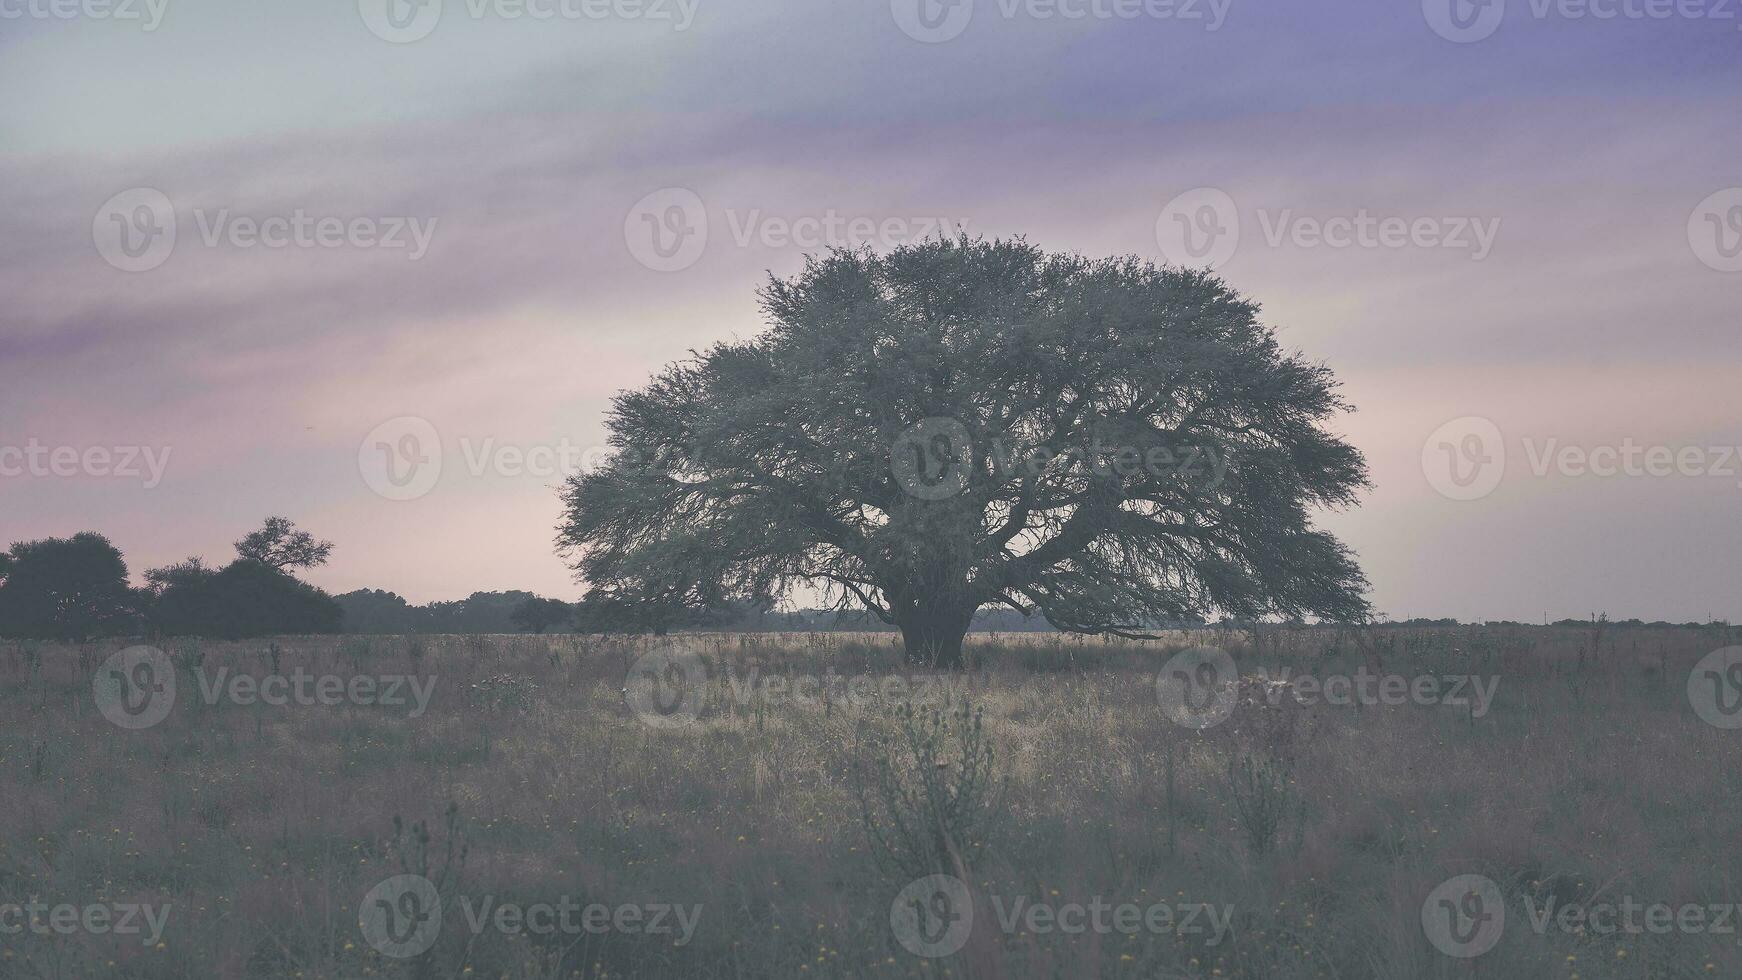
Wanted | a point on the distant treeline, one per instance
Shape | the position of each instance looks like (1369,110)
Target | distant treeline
(77,589)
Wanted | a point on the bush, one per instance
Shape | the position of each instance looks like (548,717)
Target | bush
(245,599)
(928,794)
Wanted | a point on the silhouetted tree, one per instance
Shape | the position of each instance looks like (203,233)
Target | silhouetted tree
(279,544)
(182,573)
(245,599)
(65,589)
(954,425)
(538,614)
(379,611)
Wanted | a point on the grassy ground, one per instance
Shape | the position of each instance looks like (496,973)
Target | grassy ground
(1319,829)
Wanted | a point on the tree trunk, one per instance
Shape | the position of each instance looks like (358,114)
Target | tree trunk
(932,635)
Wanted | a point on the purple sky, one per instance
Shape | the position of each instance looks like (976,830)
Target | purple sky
(1563,260)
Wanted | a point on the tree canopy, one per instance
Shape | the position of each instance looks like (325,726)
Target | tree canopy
(65,589)
(963,423)
(279,544)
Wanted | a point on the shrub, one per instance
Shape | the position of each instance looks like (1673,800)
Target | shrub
(928,793)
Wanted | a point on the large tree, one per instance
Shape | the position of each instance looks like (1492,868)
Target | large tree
(964,423)
(65,588)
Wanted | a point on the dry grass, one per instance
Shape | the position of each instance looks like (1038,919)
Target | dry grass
(262,827)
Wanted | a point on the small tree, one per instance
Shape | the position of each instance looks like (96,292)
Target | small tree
(65,589)
(279,544)
(964,423)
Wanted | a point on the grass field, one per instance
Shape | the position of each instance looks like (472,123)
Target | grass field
(774,821)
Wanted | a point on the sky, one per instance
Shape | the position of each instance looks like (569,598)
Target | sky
(379,266)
